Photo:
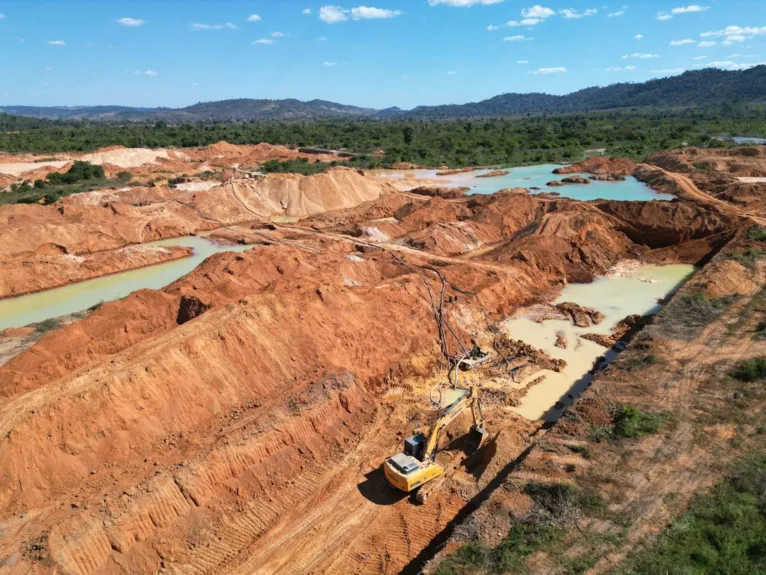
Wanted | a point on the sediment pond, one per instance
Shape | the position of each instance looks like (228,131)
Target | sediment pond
(37,307)
(631,290)
(538,177)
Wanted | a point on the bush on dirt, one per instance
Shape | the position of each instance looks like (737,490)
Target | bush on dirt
(631,422)
(691,311)
(756,234)
(723,533)
(47,325)
(752,369)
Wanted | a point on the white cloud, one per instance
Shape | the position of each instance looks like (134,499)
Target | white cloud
(463,3)
(707,44)
(699,58)
(57,43)
(684,42)
(321,39)
(451,72)
(264,41)
(620,68)
(227,26)
(195,84)
(639,56)
(668,71)
(146,72)
(306,12)
(131,22)
(2,17)
(253,18)
(524,22)
(734,34)
(568,13)
(618,13)
(726,65)
(689,9)
(557,70)
(638,36)
(537,11)
(492,28)
(370,13)
(523,62)
(517,38)
(278,34)
(333,14)
(663,16)
(332,64)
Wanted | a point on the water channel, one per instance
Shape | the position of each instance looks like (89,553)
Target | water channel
(36,307)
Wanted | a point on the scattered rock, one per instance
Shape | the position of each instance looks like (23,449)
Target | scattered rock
(561,339)
(581,316)
(554,183)
(440,192)
(495,174)
(455,171)
(190,308)
(608,178)
(576,180)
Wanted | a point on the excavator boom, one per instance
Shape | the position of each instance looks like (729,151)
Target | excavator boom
(416,465)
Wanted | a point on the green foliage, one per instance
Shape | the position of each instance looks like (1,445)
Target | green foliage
(756,234)
(47,325)
(689,312)
(80,171)
(747,257)
(508,557)
(633,423)
(704,166)
(723,533)
(496,141)
(752,369)
(81,177)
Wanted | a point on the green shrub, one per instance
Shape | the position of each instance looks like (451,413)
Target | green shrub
(752,369)
(80,171)
(633,423)
(723,533)
(47,325)
(757,234)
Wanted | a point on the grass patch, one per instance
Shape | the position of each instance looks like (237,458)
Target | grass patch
(555,507)
(633,423)
(629,423)
(753,369)
(756,234)
(47,325)
(747,257)
(723,532)
(689,312)
(641,361)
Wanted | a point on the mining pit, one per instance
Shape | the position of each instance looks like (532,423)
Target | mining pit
(236,420)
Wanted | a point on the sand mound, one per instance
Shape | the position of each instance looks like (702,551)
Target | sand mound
(24,167)
(125,157)
(296,195)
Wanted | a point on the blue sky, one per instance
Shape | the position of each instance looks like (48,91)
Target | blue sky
(374,53)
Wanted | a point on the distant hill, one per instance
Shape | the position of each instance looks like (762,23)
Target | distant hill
(699,88)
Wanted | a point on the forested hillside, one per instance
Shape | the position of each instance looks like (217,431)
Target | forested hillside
(699,88)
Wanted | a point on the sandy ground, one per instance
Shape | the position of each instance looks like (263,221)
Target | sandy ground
(19,169)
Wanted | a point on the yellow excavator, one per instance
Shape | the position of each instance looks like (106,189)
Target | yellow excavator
(416,465)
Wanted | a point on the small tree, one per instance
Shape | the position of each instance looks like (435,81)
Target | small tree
(409,135)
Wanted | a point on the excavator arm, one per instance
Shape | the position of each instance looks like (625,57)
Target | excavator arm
(470,399)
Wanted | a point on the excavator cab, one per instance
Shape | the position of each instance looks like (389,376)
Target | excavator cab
(416,465)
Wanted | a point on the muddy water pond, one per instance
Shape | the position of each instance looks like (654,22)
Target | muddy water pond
(538,177)
(37,307)
(630,290)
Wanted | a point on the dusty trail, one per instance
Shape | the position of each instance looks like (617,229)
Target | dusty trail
(692,191)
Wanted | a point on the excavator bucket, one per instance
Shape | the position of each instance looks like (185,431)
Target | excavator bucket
(476,437)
